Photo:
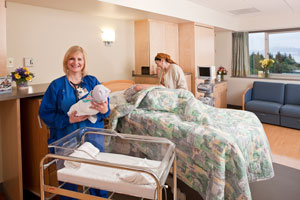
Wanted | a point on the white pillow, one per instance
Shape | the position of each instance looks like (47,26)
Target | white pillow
(116,98)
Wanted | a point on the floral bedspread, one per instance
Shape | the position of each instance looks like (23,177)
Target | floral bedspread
(219,151)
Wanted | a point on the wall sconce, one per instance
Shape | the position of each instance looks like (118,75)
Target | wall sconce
(108,36)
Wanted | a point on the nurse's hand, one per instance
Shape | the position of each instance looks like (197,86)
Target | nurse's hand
(101,107)
(74,119)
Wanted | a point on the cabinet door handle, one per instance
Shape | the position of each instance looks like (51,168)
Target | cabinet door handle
(39,120)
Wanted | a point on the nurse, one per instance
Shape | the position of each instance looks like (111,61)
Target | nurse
(65,91)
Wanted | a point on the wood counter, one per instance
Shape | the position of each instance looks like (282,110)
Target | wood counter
(10,130)
(31,91)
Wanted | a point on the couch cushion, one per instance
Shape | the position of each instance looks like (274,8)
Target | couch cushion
(290,122)
(292,94)
(268,118)
(268,91)
(263,106)
(290,111)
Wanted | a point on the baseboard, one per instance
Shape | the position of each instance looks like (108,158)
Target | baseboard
(234,107)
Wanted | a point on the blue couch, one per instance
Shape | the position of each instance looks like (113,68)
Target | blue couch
(274,103)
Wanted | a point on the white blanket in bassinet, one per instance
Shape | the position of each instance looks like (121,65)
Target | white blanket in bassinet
(111,179)
(115,180)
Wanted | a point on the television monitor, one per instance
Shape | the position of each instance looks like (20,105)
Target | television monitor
(206,72)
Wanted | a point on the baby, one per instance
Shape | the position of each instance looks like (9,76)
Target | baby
(99,94)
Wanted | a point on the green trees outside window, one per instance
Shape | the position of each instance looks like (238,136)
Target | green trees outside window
(281,46)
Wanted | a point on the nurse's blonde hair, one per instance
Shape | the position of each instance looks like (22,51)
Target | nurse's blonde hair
(68,54)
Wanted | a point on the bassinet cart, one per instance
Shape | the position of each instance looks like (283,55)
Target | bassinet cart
(131,164)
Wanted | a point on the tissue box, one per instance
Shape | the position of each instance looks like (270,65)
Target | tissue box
(5,85)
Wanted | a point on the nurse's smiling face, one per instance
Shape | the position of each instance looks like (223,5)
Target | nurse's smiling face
(75,62)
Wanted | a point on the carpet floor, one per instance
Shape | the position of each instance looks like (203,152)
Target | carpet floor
(284,185)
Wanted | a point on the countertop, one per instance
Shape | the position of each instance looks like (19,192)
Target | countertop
(31,91)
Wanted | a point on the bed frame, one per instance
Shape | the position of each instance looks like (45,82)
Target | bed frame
(118,85)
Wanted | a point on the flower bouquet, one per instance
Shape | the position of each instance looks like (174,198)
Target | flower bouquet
(222,71)
(265,65)
(21,76)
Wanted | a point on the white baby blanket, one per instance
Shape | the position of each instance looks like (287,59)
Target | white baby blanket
(86,150)
(136,177)
(99,94)
(89,151)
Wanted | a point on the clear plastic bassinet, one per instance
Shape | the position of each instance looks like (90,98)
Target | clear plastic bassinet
(128,164)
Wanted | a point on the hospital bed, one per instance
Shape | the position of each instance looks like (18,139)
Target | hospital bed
(131,164)
(219,151)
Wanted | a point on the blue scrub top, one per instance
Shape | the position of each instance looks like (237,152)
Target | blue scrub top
(58,99)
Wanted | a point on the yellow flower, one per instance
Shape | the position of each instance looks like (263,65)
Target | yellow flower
(266,63)
(29,78)
(27,72)
(17,76)
(26,69)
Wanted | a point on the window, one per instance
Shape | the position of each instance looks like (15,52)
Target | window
(283,47)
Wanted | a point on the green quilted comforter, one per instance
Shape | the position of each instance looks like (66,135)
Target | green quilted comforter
(219,151)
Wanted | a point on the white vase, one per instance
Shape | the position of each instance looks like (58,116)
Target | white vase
(22,85)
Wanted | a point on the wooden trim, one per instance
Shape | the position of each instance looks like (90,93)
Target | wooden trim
(11,148)
(141,45)
(70,193)
(243,103)
(186,39)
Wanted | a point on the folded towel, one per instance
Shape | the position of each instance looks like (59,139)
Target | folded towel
(86,150)
(136,177)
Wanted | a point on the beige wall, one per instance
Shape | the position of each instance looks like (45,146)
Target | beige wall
(46,34)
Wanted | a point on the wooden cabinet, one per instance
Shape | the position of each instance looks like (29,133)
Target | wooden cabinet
(152,37)
(153,79)
(34,146)
(220,94)
(196,48)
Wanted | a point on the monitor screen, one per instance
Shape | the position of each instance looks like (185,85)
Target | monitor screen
(204,71)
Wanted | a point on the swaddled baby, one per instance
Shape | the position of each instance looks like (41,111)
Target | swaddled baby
(99,94)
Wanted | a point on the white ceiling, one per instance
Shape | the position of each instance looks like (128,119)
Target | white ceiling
(249,13)
(263,6)
(97,8)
